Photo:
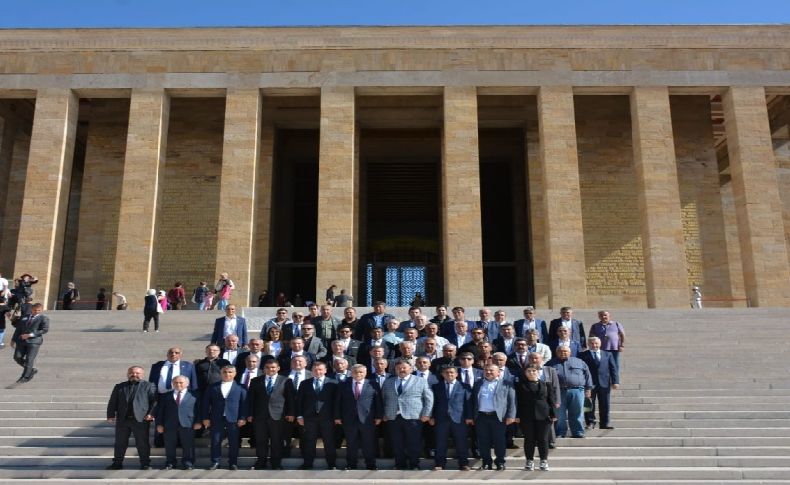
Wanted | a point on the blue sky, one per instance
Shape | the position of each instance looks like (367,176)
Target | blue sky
(204,13)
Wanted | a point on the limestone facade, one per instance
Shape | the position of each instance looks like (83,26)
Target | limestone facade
(630,187)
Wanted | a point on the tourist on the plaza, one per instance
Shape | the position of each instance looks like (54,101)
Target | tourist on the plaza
(315,412)
(5,312)
(343,300)
(358,409)
(575,384)
(298,300)
(272,342)
(23,289)
(208,300)
(199,295)
(230,324)
(575,328)
(549,375)
(271,403)
(281,299)
(161,298)
(177,416)
(696,297)
(27,339)
(418,300)
(493,409)
(264,299)
(408,402)
(605,376)
(71,295)
(610,333)
(451,414)
(120,301)
(130,409)
(535,412)
(378,318)
(530,322)
(101,299)
(330,295)
(176,297)
(223,412)
(224,288)
(326,325)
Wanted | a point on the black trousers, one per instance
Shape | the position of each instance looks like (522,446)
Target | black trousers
(536,433)
(124,428)
(147,319)
(360,435)
(313,428)
(443,430)
(491,432)
(25,355)
(174,434)
(601,395)
(405,434)
(268,437)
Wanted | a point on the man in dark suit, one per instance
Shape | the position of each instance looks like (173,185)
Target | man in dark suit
(315,411)
(131,408)
(359,410)
(530,321)
(378,318)
(297,349)
(605,376)
(576,327)
(562,338)
(376,339)
(177,415)
(256,350)
(337,352)
(230,324)
(224,410)
(27,339)
(271,400)
(452,412)
(209,369)
(493,409)
(350,345)
(162,374)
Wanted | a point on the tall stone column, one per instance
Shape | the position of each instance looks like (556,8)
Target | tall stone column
(462,235)
(655,168)
(263,211)
(43,223)
(758,207)
(563,229)
(146,143)
(237,194)
(336,182)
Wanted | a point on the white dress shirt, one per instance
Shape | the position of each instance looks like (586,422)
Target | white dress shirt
(162,384)
(230,326)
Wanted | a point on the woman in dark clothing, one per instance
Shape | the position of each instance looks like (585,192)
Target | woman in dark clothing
(535,413)
(150,310)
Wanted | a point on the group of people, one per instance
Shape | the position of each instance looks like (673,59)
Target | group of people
(409,385)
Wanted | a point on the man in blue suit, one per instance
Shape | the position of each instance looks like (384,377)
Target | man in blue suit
(452,410)
(408,402)
(162,374)
(529,321)
(576,327)
(605,376)
(177,414)
(315,411)
(378,318)
(358,409)
(230,324)
(493,410)
(224,411)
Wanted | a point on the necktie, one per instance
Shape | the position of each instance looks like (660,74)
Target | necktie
(178,398)
(246,380)
(597,357)
(297,331)
(449,389)
(169,380)
(317,386)
(466,377)
(357,390)
(269,385)
(296,381)
(521,359)
(400,387)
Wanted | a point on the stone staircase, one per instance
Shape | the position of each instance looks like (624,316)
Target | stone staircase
(705,398)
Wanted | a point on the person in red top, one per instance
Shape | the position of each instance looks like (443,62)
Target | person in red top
(175,297)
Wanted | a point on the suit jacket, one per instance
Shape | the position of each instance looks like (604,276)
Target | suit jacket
(329,358)
(288,331)
(215,405)
(534,404)
(456,407)
(604,373)
(499,345)
(240,377)
(375,380)
(514,364)
(209,372)
(367,322)
(477,374)
(142,404)
(169,415)
(280,403)
(550,375)
(38,326)
(447,330)
(431,380)
(540,325)
(364,410)
(504,400)
(577,332)
(316,406)
(284,359)
(574,346)
(219,330)
(316,347)
(415,401)
(326,334)
(187,369)
(353,348)
(241,361)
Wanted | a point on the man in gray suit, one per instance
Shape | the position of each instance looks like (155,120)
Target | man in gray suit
(271,405)
(408,402)
(177,417)
(494,408)
(27,340)
(130,408)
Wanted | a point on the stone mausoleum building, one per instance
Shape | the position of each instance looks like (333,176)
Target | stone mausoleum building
(591,166)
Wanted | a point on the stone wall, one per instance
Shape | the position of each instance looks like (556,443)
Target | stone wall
(186,242)
(12,211)
(610,213)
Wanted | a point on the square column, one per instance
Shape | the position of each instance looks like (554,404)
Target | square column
(563,231)
(43,223)
(655,168)
(336,191)
(146,142)
(237,194)
(462,236)
(758,207)
(263,211)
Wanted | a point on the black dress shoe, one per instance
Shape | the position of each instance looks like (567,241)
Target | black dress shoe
(552,445)
(475,454)
(606,427)
(485,467)
(115,466)
(500,467)
(306,467)
(372,467)
(259,465)
(277,467)
(168,467)
(189,466)
(213,466)
(233,467)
